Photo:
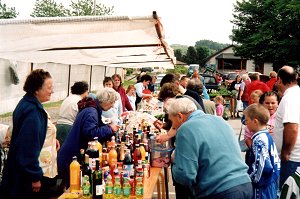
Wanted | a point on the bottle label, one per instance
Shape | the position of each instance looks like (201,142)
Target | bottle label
(86,190)
(117,191)
(99,190)
(92,163)
(139,191)
(126,191)
(108,190)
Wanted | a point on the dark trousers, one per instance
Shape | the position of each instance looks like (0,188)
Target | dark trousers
(287,169)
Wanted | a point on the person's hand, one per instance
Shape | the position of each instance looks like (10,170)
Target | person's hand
(36,186)
(158,124)
(114,127)
(162,138)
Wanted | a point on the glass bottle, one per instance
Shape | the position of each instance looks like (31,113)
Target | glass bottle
(97,186)
(137,154)
(86,187)
(99,146)
(112,157)
(93,153)
(128,163)
(143,152)
(74,175)
(86,170)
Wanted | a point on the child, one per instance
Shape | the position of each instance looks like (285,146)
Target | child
(5,135)
(255,95)
(130,92)
(264,163)
(219,105)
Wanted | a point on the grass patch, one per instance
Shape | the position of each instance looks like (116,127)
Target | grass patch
(6,115)
(52,104)
(127,83)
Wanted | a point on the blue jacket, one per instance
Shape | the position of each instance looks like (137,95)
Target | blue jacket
(28,136)
(207,156)
(87,125)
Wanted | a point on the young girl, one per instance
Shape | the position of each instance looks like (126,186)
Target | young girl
(255,95)
(130,92)
(219,105)
(264,162)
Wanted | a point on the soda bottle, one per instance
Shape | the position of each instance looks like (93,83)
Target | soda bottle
(86,187)
(143,152)
(137,154)
(126,188)
(112,157)
(128,163)
(99,146)
(97,186)
(139,189)
(109,188)
(74,175)
(117,189)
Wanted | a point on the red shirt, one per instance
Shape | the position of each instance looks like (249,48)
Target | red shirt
(257,85)
(271,82)
(125,102)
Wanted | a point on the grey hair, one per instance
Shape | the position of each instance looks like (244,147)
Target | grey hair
(245,77)
(107,95)
(181,105)
(195,85)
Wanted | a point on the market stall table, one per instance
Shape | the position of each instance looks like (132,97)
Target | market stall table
(157,178)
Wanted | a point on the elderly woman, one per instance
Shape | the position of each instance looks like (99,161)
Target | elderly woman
(69,109)
(87,125)
(23,176)
(119,88)
(205,156)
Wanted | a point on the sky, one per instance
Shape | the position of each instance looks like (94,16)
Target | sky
(184,21)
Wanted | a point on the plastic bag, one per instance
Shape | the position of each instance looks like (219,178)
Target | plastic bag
(239,106)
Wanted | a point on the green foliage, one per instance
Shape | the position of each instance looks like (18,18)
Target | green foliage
(211,45)
(178,69)
(7,12)
(87,7)
(178,54)
(268,31)
(222,91)
(202,54)
(48,8)
(129,71)
(191,56)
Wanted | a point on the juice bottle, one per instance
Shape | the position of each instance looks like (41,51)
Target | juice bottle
(112,157)
(74,175)
(143,152)
(97,186)
(126,189)
(139,189)
(99,146)
(117,189)
(86,187)
(109,188)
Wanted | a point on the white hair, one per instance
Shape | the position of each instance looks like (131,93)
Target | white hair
(245,77)
(107,95)
(181,105)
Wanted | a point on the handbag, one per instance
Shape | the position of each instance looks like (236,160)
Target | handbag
(242,142)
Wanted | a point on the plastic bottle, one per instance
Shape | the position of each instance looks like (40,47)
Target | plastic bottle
(117,189)
(99,146)
(126,189)
(137,154)
(109,188)
(74,175)
(112,157)
(139,189)
(143,152)
(97,186)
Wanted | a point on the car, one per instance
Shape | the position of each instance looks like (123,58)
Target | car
(230,77)
(146,69)
(210,82)
(158,79)
(191,69)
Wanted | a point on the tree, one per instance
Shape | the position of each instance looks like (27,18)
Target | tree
(202,54)
(49,8)
(7,12)
(87,7)
(268,31)
(191,56)
(178,54)
(212,45)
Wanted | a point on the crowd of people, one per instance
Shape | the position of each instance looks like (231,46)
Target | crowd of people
(206,162)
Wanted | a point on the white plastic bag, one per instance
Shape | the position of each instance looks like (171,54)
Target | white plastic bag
(239,106)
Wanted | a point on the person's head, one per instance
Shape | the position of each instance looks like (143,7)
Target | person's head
(238,78)
(168,90)
(255,95)
(256,117)
(254,76)
(106,98)
(219,99)
(117,80)
(179,110)
(154,79)
(146,79)
(184,81)
(195,76)
(273,74)
(287,77)
(5,135)
(245,77)
(270,101)
(170,78)
(195,85)
(40,84)
(80,88)
(130,90)
(108,82)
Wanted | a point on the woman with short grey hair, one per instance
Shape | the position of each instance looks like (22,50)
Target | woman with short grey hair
(106,95)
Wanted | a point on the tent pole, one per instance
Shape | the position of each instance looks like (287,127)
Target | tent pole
(105,68)
(31,66)
(69,78)
(91,72)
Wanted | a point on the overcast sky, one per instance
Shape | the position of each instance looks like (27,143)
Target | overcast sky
(184,21)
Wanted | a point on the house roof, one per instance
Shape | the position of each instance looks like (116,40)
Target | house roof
(227,56)
(114,41)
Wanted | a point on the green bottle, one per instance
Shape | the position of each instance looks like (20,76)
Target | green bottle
(126,189)
(97,186)
(109,188)
(117,189)
(86,187)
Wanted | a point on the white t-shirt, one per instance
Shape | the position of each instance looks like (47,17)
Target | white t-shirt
(288,112)
(68,110)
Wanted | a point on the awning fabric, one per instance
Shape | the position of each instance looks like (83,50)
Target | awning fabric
(114,41)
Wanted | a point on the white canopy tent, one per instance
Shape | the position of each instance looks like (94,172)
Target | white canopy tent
(113,41)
